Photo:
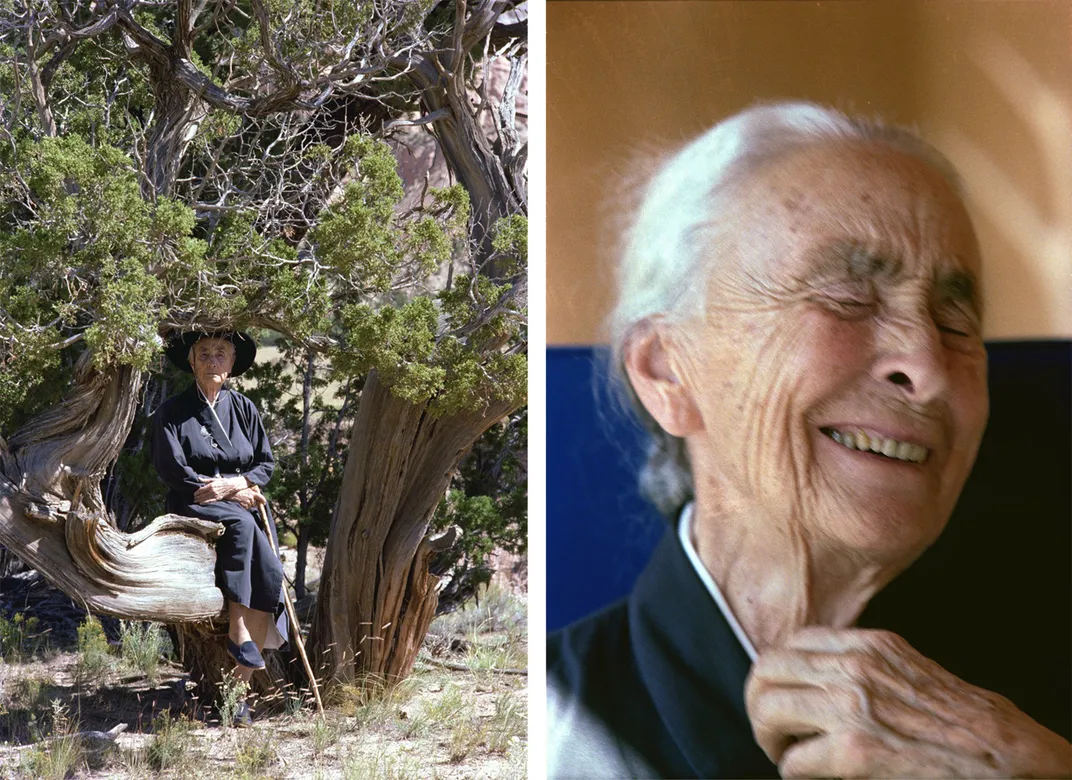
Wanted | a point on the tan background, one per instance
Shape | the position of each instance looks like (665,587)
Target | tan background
(989,82)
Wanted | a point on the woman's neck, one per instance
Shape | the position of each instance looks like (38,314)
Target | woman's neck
(210,393)
(776,579)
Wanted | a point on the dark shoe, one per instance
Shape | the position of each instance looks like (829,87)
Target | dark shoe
(247,654)
(242,718)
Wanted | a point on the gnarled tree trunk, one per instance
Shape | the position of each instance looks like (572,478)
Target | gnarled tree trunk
(376,597)
(52,517)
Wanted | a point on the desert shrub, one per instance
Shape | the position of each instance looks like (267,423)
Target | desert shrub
(26,693)
(141,645)
(20,638)
(466,735)
(59,756)
(325,733)
(371,701)
(507,725)
(230,695)
(171,742)
(94,655)
(382,767)
(496,609)
(255,754)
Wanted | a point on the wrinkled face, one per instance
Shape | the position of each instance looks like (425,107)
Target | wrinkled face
(843,317)
(212,361)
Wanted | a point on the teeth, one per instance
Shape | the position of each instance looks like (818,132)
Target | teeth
(891,448)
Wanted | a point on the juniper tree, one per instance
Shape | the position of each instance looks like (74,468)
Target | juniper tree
(176,165)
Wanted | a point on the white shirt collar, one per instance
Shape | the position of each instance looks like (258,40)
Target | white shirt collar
(684,533)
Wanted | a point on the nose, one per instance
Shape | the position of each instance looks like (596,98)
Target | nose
(913,361)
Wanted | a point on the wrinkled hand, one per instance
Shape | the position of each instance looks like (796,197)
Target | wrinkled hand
(857,703)
(249,497)
(218,489)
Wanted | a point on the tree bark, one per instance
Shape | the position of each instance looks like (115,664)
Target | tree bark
(376,596)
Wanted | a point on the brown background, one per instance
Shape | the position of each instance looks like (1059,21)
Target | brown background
(989,82)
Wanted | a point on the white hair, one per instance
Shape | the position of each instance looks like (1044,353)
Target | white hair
(685,209)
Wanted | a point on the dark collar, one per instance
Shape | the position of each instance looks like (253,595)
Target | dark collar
(208,420)
(694,667)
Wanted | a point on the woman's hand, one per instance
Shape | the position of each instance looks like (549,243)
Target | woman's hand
(218,489)
(249,497)
(857,703)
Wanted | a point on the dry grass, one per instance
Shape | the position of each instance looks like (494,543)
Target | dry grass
(438,723)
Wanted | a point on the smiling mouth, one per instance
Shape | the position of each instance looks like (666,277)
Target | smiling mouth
(879,445)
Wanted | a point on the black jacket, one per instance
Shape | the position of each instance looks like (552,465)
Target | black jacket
(652,686)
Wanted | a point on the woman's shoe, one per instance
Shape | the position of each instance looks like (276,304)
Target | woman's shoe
(247,654)
(242,718)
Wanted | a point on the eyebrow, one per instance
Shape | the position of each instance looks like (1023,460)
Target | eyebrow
(860,261)
(961,287)
(863,262)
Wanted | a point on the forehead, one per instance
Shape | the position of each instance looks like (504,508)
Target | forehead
(208,344)
(871,196)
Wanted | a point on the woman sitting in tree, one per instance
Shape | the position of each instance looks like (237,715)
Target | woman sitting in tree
(211,450)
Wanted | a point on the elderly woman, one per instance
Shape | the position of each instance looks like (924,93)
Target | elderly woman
(210,448)
(799,326)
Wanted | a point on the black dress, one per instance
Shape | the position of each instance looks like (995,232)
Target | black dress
(188,443)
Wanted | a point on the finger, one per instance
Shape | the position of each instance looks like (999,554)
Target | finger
(822,639)
(832,755)
(782,666)
(863,754)
(780,716)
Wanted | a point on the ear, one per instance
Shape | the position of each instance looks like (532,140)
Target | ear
(650,365)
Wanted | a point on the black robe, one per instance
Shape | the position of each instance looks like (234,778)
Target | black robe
(188,443)
(652,686)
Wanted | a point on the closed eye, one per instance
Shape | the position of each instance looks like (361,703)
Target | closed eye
(952,331)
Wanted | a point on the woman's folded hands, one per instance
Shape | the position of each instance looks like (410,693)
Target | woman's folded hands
(860,703)
(230,489)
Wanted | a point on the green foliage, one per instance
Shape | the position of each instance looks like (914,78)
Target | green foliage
(95,658)
(488,500)
(255,754)
(140,485)
(124,331)
(84,250)
(61,755)
(399,342)
(171,743)
(229,697)
(356,236)
(20,638)
(443,350)
(141,645)
(510,242)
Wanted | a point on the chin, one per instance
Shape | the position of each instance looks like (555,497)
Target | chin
(893,536)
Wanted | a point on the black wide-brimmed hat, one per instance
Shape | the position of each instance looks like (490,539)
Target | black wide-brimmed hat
(178,349)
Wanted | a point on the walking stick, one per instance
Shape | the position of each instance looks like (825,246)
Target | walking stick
(295,626)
